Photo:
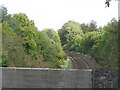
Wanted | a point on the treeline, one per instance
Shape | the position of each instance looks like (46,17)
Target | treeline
(100,43)
(24,46)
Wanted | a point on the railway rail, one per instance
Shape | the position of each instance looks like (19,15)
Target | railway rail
(78,62)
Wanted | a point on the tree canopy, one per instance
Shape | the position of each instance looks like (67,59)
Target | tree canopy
(25,46)
(68,31)
(100,43)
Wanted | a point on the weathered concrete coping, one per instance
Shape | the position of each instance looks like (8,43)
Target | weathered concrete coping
(53,69)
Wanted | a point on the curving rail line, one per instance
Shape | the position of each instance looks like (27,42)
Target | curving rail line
(77,62)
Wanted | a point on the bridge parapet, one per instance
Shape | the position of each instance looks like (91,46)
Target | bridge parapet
(45,78)
(13,77)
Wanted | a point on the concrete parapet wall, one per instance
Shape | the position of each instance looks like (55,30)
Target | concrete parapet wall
(45,78)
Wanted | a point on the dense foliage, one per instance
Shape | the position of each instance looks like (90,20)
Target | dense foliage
(24,46)
(100,43)
(68,31)
(92,26)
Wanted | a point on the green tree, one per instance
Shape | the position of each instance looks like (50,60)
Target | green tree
(3,13)
(51,47)
(107,46)
(25,46)
(68,31)
(90,27)
(26,29)
(13,53)
(85,28)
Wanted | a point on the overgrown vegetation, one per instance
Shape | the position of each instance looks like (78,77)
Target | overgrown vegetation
(100,43)
(24,46)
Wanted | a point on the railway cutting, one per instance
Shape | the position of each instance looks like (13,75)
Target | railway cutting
(76,61)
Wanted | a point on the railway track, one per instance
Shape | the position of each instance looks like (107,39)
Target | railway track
(77,62)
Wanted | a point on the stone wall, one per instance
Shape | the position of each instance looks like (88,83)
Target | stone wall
(105,78)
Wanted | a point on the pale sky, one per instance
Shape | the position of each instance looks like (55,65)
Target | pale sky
(54,13)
